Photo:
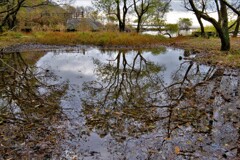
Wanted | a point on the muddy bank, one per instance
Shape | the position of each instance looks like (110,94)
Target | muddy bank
(27,47)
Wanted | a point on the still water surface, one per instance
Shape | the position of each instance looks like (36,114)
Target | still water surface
(88,103)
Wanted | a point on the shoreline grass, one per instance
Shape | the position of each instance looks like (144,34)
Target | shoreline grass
(98,38)
(207,49)
(84,38)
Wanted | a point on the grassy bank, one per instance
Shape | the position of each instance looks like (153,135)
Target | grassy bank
(105,39)
(207,49)
(99,39)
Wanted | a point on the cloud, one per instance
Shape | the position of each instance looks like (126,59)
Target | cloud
(83,2)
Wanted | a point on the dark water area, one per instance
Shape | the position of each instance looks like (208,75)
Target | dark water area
(88,103)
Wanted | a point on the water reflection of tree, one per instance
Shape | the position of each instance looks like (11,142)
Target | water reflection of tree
(130,99)
(119,99)
(29,108)
(201,114)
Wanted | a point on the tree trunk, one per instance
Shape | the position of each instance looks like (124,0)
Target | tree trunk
(121,21)
(201,25)
(11,16)
(221,25)
(225,41)
(1,29)
(224,25)
(124,22)
(125,10)
(235,33)
(119,17)
(139,24)
(121,26)
(223,33)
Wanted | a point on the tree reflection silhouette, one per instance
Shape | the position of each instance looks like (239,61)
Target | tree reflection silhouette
(117,102)
(131,99)
(29,109)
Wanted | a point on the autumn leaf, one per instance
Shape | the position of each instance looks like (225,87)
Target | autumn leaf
(168,138)
(177,150)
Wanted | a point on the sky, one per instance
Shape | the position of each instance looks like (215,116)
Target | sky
(176,4)
(178,11)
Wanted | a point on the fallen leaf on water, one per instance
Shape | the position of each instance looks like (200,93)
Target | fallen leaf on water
(118,113)
(107,110)
(189,142)
(152,151)
(177,150)
(168,138)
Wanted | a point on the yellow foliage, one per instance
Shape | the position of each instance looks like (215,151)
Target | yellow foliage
(177,150)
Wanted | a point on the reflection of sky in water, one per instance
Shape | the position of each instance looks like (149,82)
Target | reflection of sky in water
(73,67)
(77,68)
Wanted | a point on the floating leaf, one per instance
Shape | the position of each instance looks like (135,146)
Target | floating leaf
(168,138)
(118,113)
(107,110)
(177,150)
(151,127)
(189,142)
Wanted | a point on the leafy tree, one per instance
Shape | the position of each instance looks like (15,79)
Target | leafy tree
(209,28)
(148,8)
(9,10)
(117,8)
(43,17)
(171,28)
(140,10)
(184,23)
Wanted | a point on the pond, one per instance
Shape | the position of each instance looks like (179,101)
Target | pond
(88,103)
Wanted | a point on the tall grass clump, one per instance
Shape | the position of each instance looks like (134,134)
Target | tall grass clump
(55,38)
(98,38)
